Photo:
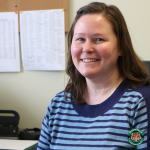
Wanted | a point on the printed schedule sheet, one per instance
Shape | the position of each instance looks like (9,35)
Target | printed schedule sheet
(42,36)
(9,42)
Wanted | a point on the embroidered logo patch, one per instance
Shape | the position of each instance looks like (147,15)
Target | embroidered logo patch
(135,137)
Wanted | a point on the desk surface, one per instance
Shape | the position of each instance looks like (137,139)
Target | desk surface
(6,144)
(31,147)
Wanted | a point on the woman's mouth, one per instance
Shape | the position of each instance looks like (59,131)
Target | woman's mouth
(89,60)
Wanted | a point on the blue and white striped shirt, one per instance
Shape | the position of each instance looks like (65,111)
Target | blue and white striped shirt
(68,126)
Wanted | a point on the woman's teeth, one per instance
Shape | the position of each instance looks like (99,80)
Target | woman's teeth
(89,60)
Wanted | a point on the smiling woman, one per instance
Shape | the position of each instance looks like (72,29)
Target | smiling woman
(95,50)
(108,91)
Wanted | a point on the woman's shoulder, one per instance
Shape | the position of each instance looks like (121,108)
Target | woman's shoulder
(59,104)
(60,100)
(60,96)
(144,91)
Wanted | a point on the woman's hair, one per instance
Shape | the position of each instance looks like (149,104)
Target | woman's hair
(129,64)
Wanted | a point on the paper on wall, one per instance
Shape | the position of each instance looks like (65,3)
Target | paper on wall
(43,39)
(9,42)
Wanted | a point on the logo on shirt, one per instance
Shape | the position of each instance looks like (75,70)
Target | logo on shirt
(135,137)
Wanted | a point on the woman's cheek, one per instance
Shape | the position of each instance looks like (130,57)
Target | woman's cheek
(105,53)
(75,51)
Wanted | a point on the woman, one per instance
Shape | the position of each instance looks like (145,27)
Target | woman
(104,105)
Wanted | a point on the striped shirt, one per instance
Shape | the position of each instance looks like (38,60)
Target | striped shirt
(68,126)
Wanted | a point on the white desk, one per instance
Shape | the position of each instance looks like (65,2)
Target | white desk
(16,144)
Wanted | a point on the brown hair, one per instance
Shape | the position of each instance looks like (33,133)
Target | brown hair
(129,64)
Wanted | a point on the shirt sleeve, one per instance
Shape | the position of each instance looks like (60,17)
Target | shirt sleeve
(142,122)
(141,119)
(45,138)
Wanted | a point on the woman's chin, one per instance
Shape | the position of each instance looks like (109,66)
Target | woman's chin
(89,75)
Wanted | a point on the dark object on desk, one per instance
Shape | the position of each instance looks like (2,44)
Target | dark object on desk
(9,123)
(148,66)
(30,134)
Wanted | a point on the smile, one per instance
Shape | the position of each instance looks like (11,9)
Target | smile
(89,60)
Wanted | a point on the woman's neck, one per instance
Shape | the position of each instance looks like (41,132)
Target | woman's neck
(99,91)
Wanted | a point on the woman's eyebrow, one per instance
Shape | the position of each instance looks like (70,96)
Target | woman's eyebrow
(98,34)
(79,34)
(95,34)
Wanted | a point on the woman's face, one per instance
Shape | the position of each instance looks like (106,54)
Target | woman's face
(94,47)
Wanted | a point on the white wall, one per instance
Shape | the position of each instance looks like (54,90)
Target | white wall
(29,92)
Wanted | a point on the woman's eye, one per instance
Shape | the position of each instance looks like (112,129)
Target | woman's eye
(80,39)
(99,39)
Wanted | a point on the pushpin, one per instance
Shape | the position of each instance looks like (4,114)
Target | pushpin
(15,5)
(63,10)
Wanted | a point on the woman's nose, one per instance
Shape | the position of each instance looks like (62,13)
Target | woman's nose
(88,47)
